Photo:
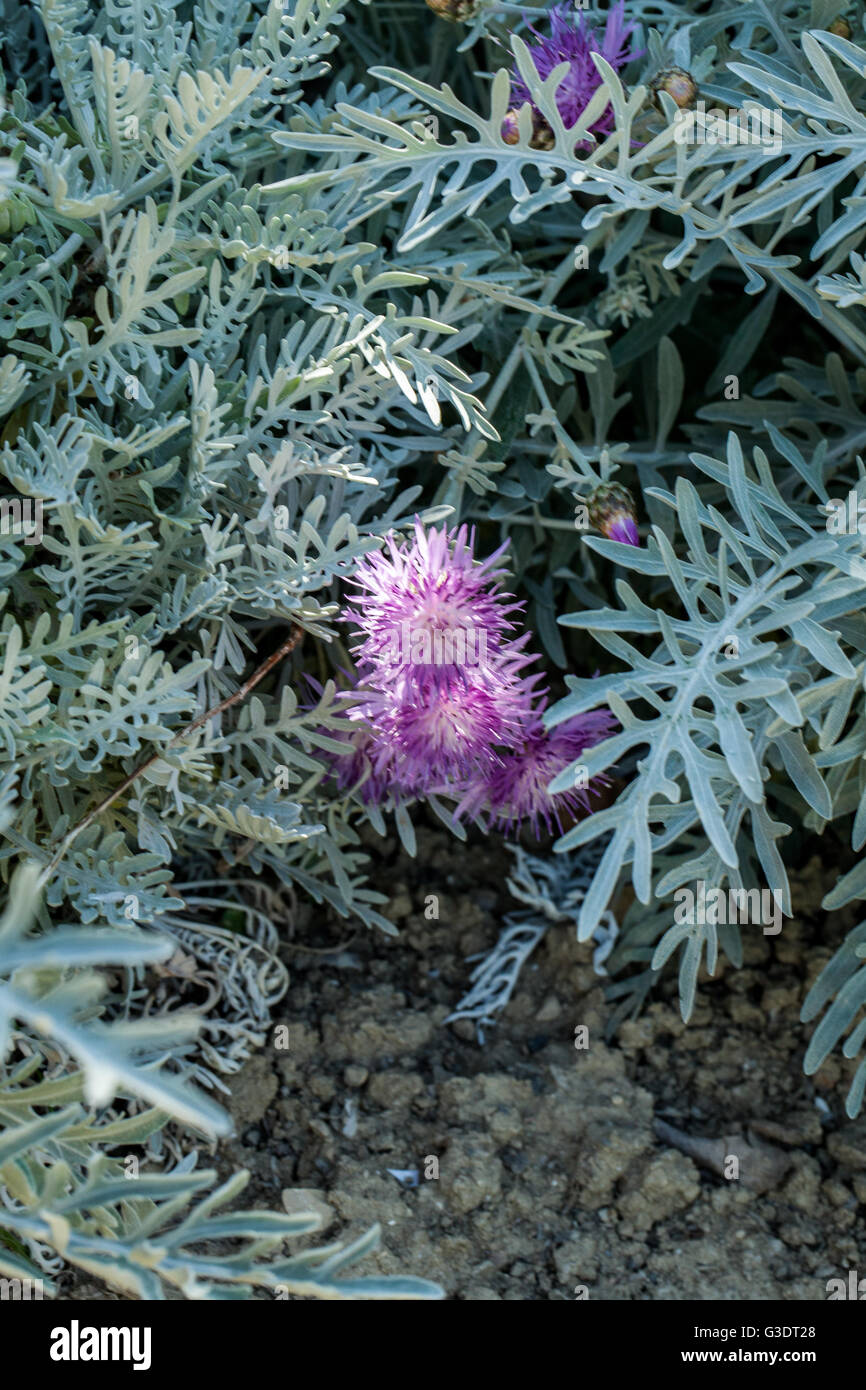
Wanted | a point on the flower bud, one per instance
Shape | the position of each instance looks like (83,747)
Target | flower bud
(542,137)
(841,27)
(458,11)
(508,129)
(679,85)
(613,512)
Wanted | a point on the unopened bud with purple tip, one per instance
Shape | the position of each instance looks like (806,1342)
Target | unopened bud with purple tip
(613,512)
(542,137)
(508,129)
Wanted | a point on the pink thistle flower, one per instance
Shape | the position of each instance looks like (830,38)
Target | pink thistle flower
(430,612)
(440,669)
(362,767)
(443,735)
(516,789)
(574,44)
(434,719)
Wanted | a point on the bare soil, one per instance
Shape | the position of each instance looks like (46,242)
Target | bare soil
(557,1178)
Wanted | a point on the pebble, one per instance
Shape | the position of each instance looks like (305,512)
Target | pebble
(550,1010)
(298,1200)
(464,1028)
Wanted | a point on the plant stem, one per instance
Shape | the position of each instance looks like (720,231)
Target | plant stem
(240,694)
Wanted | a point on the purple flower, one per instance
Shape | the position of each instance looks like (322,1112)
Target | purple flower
(428,611)
(517,788)
(440,671)
(440,736)
(574,44)
(442,701)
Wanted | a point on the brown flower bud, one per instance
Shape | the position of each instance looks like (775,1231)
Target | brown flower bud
(679,85)
(542,137)
(613,512)
(458,11)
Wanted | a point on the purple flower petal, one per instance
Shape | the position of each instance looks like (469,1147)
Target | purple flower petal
(516,789)
(574,44)
(623,528)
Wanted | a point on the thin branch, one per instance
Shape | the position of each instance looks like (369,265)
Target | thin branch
(240,694)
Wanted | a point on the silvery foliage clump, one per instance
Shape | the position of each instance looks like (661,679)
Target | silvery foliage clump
(272,284)
(734,636)
(211,395)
